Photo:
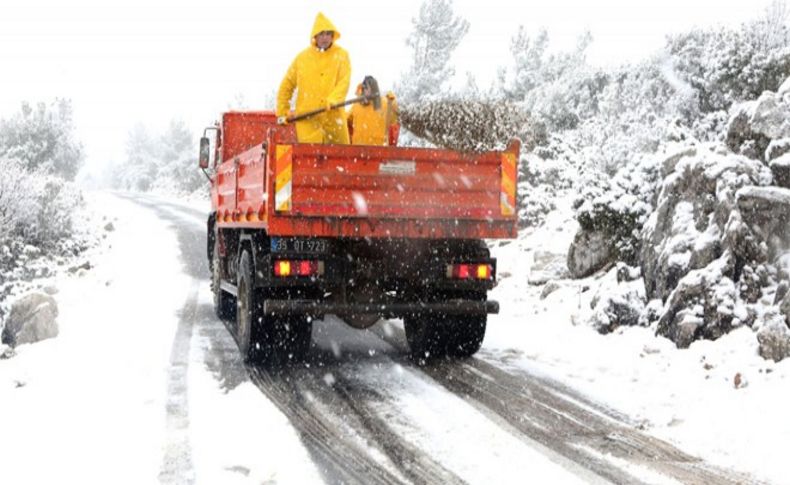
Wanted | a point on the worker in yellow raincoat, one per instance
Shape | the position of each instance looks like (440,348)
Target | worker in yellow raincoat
(370,126)
(320,75)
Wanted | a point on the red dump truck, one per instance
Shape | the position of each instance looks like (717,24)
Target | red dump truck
(298,231)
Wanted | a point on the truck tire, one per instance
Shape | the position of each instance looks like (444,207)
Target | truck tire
(426,336)
(466,335)
(295,334)
(267,340)
(437,336)
(255,343)
(224,303)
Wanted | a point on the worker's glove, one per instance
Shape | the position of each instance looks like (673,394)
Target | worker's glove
(282,120)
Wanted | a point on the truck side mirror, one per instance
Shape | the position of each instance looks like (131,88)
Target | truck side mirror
(205,152)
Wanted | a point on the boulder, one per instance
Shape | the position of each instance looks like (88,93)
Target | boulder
(771,116)
(547,265)
(549,288)
(626,273)
(766,211)
(784,307)
(774,339)
(696,218)
(702,305)
(623,307)
(780,168)
(668,165)
(741,137)
(777,148)
(589,252)
(32,318)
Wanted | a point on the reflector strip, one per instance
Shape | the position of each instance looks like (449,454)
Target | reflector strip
(283,177)
(507,194)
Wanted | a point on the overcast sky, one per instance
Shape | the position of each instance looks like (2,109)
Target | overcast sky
(123,61)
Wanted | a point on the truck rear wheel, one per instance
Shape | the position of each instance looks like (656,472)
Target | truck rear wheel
(295,334)
(267,340)
(426,336)
(224,303)
(436,336)
(249,318)
(466,335)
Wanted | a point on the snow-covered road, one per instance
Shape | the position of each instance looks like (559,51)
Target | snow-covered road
(145,384)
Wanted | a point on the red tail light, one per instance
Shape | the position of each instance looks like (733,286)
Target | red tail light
(287,267)
(465,271)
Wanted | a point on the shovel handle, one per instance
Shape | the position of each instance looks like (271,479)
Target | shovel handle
(314,112)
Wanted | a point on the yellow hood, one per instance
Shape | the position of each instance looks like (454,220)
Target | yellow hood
(321,24)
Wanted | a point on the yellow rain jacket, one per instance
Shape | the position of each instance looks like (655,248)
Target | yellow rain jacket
(370,126)
(319,78)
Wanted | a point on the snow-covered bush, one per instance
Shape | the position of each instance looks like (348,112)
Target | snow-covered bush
(42,138)
(16,196)
(725,66)
(618,206)
(35,207)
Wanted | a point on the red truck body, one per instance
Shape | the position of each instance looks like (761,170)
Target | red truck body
(298,231)
(358,191)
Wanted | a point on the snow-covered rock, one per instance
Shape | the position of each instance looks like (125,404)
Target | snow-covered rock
(547,265)
(780,167)
(766,210)
(741,137)
(669,164)
(32,318)
(771,116)
(784,307)
(777,148)
(549,288)
(703,305)
(774,339)
(760,129)
(711,250)
(688,229)
(589,252)
(622,307)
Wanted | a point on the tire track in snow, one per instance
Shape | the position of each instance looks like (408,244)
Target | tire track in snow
(177,464)
(570,425)
(340,454)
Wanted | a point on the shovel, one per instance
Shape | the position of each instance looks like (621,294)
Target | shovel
(375,98)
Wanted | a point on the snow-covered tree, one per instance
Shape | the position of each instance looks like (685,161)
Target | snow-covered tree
(35,207)
(42,137)
(165,162)
(437,33)
(138,171)
(178,167)
(726,66)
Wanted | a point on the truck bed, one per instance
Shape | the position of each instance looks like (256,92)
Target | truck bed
(293,189)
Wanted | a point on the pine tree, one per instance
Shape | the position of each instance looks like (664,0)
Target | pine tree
(437,33)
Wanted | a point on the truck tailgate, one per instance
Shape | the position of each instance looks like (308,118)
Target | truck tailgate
(393,183)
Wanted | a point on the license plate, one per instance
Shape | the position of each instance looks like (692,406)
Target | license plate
(300,245)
